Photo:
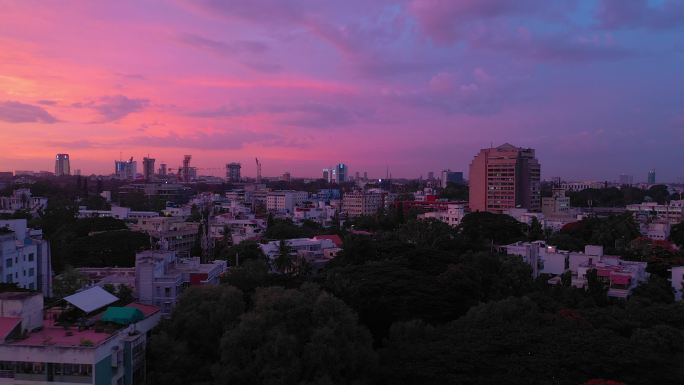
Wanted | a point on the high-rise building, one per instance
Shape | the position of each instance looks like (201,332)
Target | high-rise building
(233,172)
(125,169)
(431,175)
(286,176)
(62,166)
(651,177)
(327,174)
(185,171)
(505,177)
(359,203)
(365,175)
(451,176)
(341,173)
(148,168)
(626,180)
(358,176)
(162,169)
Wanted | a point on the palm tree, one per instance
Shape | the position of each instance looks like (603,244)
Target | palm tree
(283,262)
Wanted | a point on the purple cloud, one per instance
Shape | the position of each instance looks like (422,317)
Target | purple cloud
(15,112)
(228,139)
(617,14)
(114,107)
(223,48)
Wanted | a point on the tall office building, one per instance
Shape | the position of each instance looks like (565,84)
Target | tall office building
(651,177)
(125,169)
(341,173)
(626,180)
(233,172)
(451,176)
(162,169)
(505,177)
(148,168)
(327,175)
(62,166)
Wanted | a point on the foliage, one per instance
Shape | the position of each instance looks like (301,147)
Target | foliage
(613,233)
(68,282)
(242,252)
(483,228)
(291,336)
(455,192)
(677,234)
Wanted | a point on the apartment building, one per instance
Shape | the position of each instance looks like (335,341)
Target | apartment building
(285,200)
(25,257)
(358,203)
(505,177)
(169,233)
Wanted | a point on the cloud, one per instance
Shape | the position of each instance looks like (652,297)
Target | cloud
(311,114)
(114,107)
(46,102)
(16,112)
(229,139)
(618,14)
(223,48)
(560,47)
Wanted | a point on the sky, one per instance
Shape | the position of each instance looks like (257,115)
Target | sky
(596,87)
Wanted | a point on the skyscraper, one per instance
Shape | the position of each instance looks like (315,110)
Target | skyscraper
(505,177)
(651,177)
(451,176)
(125,169)
(341,173)
(62,166)
(162,169)
(148,168)
(233,172)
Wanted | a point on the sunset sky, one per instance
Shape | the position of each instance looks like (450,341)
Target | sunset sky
(596,87)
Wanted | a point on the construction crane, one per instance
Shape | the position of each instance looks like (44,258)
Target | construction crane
(258,164)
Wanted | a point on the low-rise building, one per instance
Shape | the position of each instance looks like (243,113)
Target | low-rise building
(315,251)
(451,216)
(107,347)
(285,200)
(169,233)
(673,212)
(21,199)
(161,276)
(359,203)
(118,212)
(620,276)
(677,281)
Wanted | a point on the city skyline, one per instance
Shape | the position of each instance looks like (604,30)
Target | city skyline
(418,85)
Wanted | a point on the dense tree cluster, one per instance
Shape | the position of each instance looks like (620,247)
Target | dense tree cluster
(619,197)
(435,305)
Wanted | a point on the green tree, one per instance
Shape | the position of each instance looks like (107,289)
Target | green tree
(283,263)
(68,282)
(291,336)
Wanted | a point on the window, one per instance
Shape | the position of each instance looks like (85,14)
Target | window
(31,257)
(32,272)
(8,263)
(167,291)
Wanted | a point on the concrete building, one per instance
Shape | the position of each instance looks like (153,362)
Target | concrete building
(327,174)
(167,191)
(285,200)
(451,216)
(123,213)
(169,233)
(620,276)
(125,169)
(450,176)
(557,204)
(358,203)
(25,258)
(341,173)
(233,172)
(148,169)
(505,177)
(62,165)
(315,251)
(677,281)
(160,277)
(656,230)
(579,186)
(21,199)
(37,349)
(652,177)
(672,212)
(163,170)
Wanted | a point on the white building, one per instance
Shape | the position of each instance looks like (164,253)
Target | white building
(321,213)
(21,199)
(316,251)
(118,212)
(620,276)
(451,216)
(285,200)
(24,257)
(672,212)
(160,277)
(169,233)
(677,281)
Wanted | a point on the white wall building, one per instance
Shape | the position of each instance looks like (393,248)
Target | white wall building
(451,216)
(672,212)
(285,200)
(25,257)
(21,199)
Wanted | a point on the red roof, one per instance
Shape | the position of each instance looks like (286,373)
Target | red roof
(334,238)
(620,279)
(147,310)
(7,324)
